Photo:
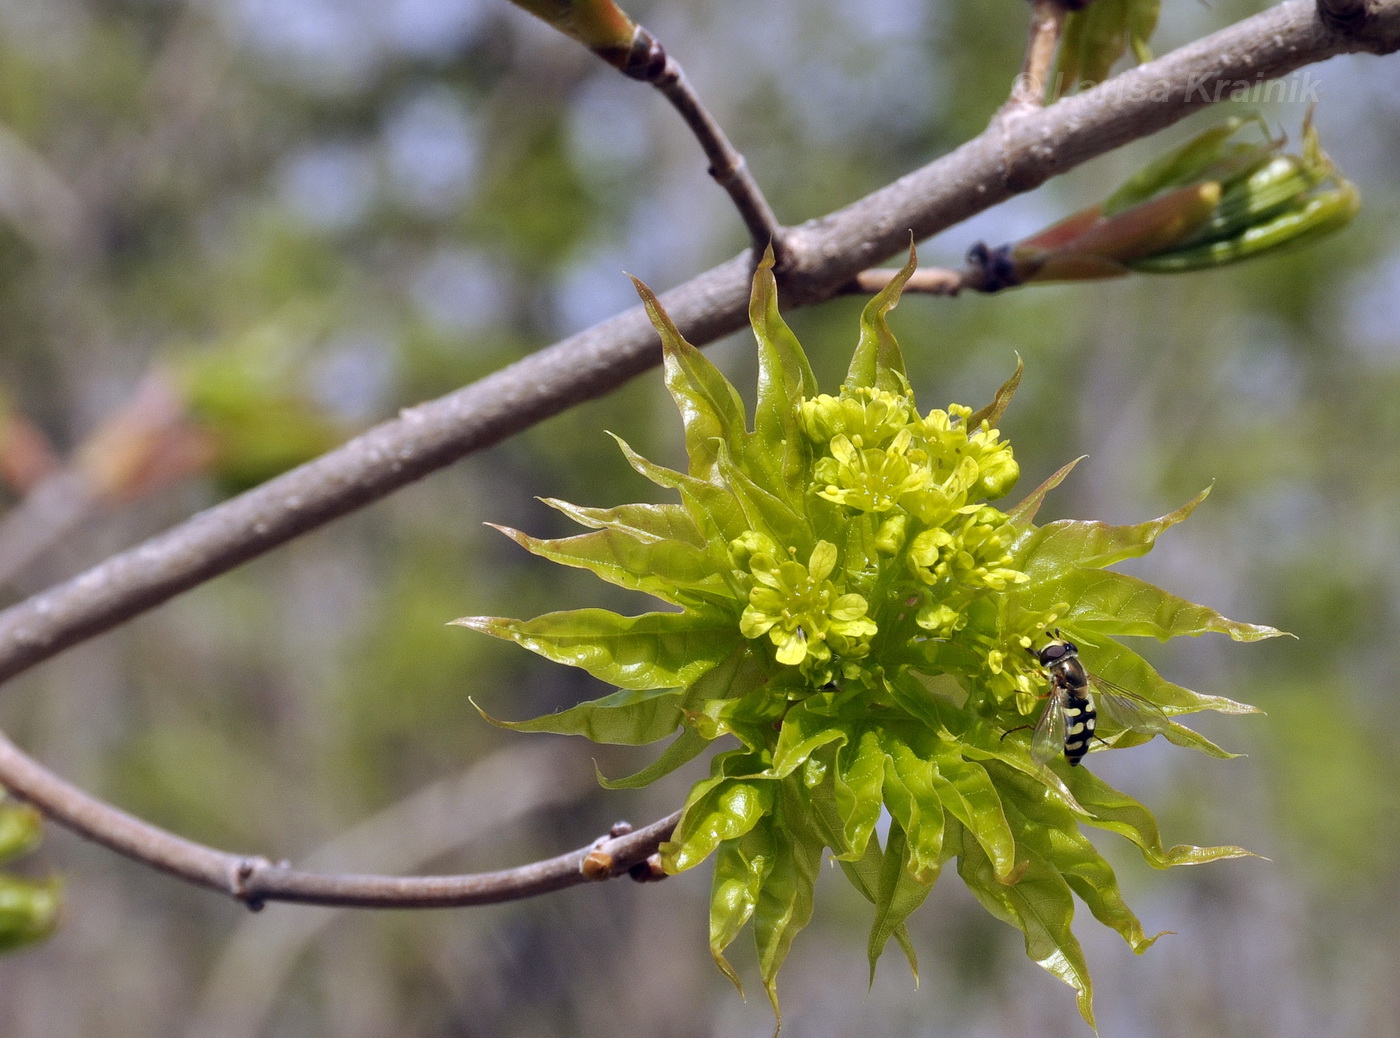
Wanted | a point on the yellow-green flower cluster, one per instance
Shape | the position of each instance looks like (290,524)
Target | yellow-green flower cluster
(876,454)
(801,611)
(880,454)
(855,614)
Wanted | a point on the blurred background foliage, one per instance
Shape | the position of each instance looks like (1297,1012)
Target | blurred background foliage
(303,215)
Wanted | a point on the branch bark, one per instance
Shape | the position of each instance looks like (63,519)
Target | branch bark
(254,880)
(823,257)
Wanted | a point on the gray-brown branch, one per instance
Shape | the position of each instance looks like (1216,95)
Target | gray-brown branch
(254,880)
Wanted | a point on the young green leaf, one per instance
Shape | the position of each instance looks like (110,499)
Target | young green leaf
(1096,36)
(710,408)
(1040,905)
(1117,812)
(897,894)
(991,414)
(662,569)
(741,866)
(1110,603)
(628,717)
(785,897)
(878,362)
(785,379)
(1078,542)
(654,650)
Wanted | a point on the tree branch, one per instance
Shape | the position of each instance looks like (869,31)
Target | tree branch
(932,281)
(254,880)
(825,255)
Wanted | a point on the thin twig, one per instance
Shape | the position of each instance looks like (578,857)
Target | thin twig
(824,255)
(254,879)
(654,64)
(933,281)
(1047,19)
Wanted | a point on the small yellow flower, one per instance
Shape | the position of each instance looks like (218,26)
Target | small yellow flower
(871,417)
(802,612)
(871,480)
(974,553)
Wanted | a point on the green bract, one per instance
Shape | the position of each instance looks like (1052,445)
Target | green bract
(857,619)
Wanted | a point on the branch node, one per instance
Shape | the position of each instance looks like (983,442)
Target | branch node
(241,883)
(597,864)
(648,871)
(619,829)
(1343,16)
(646,60)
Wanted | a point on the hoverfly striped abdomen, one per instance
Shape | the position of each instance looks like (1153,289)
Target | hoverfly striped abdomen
(1080,718)
(1070,716)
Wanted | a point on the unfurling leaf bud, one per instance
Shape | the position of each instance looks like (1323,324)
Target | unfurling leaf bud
(1210,202)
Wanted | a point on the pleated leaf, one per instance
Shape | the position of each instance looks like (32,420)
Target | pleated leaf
(1117,812)
(654,650)
(878,361)
(785,897)
(741,866)
(711,411)
(719,808)
(784,379)
(1052,832)
(1041,905)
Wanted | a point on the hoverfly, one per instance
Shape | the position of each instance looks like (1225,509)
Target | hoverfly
(1071,715)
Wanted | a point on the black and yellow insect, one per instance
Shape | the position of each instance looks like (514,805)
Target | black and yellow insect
(1071,716)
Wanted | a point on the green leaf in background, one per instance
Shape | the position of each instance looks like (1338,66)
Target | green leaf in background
(29,908)
(21,829)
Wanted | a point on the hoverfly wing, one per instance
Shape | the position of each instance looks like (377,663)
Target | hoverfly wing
(1048,739)
(1128,709)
